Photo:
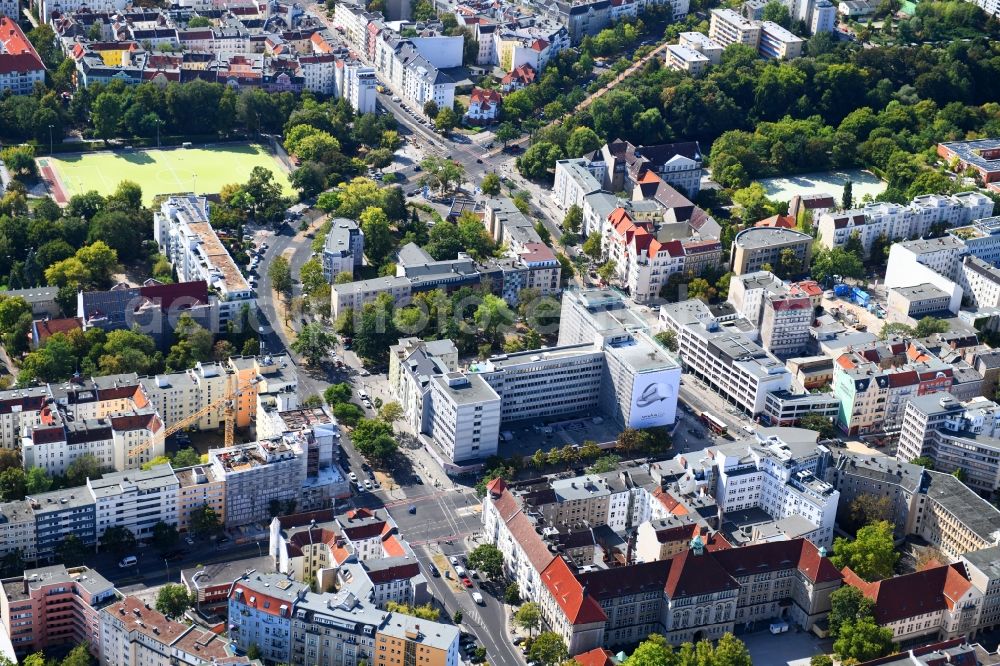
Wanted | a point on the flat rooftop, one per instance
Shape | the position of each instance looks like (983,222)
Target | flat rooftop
(760,237)
(920,292)
(975,513)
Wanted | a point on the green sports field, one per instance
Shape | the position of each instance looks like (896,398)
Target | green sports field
(203,169)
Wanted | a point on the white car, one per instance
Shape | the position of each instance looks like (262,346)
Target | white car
(368,484)
(354,477)
(453,560)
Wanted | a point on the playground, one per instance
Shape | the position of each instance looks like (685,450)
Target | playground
(202,169)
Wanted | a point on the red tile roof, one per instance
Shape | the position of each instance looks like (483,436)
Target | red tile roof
(46,328)
(17,53)
(596,657)
(782,221)
(692,575)
(926,591)
(578,607)
(484,97)
(523,531)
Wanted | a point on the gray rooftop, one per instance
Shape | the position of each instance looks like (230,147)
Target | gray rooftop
(929,245)
(920,292)
(61,500)
(115,483)
(431,634)
(972,510)
(464,389)
(759,237)
(338,240)
(33,295)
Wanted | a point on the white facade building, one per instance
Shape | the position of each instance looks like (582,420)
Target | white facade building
(465,420)
(186,238)
(136,500)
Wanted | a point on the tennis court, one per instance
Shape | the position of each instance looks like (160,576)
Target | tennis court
(202,169)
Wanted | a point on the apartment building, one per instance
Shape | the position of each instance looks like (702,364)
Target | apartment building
(17,529)
(408,640)
(355,295)
(782,313)
(360,87)
(621,166)
(296,626)
(955,435)
(154,307)
(876,382)
(573,182)
(939,602)
(60,513)
(895,221)
(824,17)
(133,632)
(730,27)
(20,409)
(465,416)
(739,369)
(49,607)
(20,66)
(777,43)
(703,44)
(185,236)
(255,475)
(643,264)
(412,362)
(198,487)
(344,249)
(980,239)
(136,500)
(934,506)
(757,246)
(684,59)
(119,442)
(980,283)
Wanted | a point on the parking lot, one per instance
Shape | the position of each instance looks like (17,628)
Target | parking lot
(529,437)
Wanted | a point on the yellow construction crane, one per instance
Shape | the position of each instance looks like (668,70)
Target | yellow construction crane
(228,402)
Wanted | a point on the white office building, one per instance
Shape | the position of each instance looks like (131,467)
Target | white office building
(465,417)
(360,85)
(573,182)
(740,370)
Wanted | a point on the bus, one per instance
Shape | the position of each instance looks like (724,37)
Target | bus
(714,423)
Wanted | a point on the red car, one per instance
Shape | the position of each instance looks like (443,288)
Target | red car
(466,582)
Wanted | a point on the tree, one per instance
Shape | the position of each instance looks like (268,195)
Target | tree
(347,413)
(186,457)
(847,197)
(71,551)
(430,108)
(928,326)
(280,274)
(337,393)
(778,13)
(537,162)
(13,311)
(604,464)
(821,660)
(529,617)
(446,120)
(378,236)
(390,412)
(654,651)
(493,318)
(668,339)
(581,141)
(20,160)
(863,640)
(701,288)
(490,185)
(373,439)
(573,219)
(205,521)
(592,246)
(78,656)
(847,603)
(165,536)
(425,612)
(441,173)
(924,461)
(84,467)
(13,484)
(313,343)
(487,559)
(819,423)
(547,649)
(376,331)
(118,539)
(872,555)
(607,270)
(732,652)
(173,599)
(867,509)
(837,261)
(512,595)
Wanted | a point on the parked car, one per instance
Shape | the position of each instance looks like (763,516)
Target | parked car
(453,560)
(466,582)
(354,477)
(128,561)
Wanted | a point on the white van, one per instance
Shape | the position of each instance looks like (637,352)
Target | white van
(129,561)
(779,627)
(478,598)
(460,571)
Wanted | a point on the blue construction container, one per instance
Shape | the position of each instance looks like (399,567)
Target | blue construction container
(842,290)
(861,297)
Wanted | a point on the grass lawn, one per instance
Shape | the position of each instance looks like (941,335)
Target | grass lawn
(163,171)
